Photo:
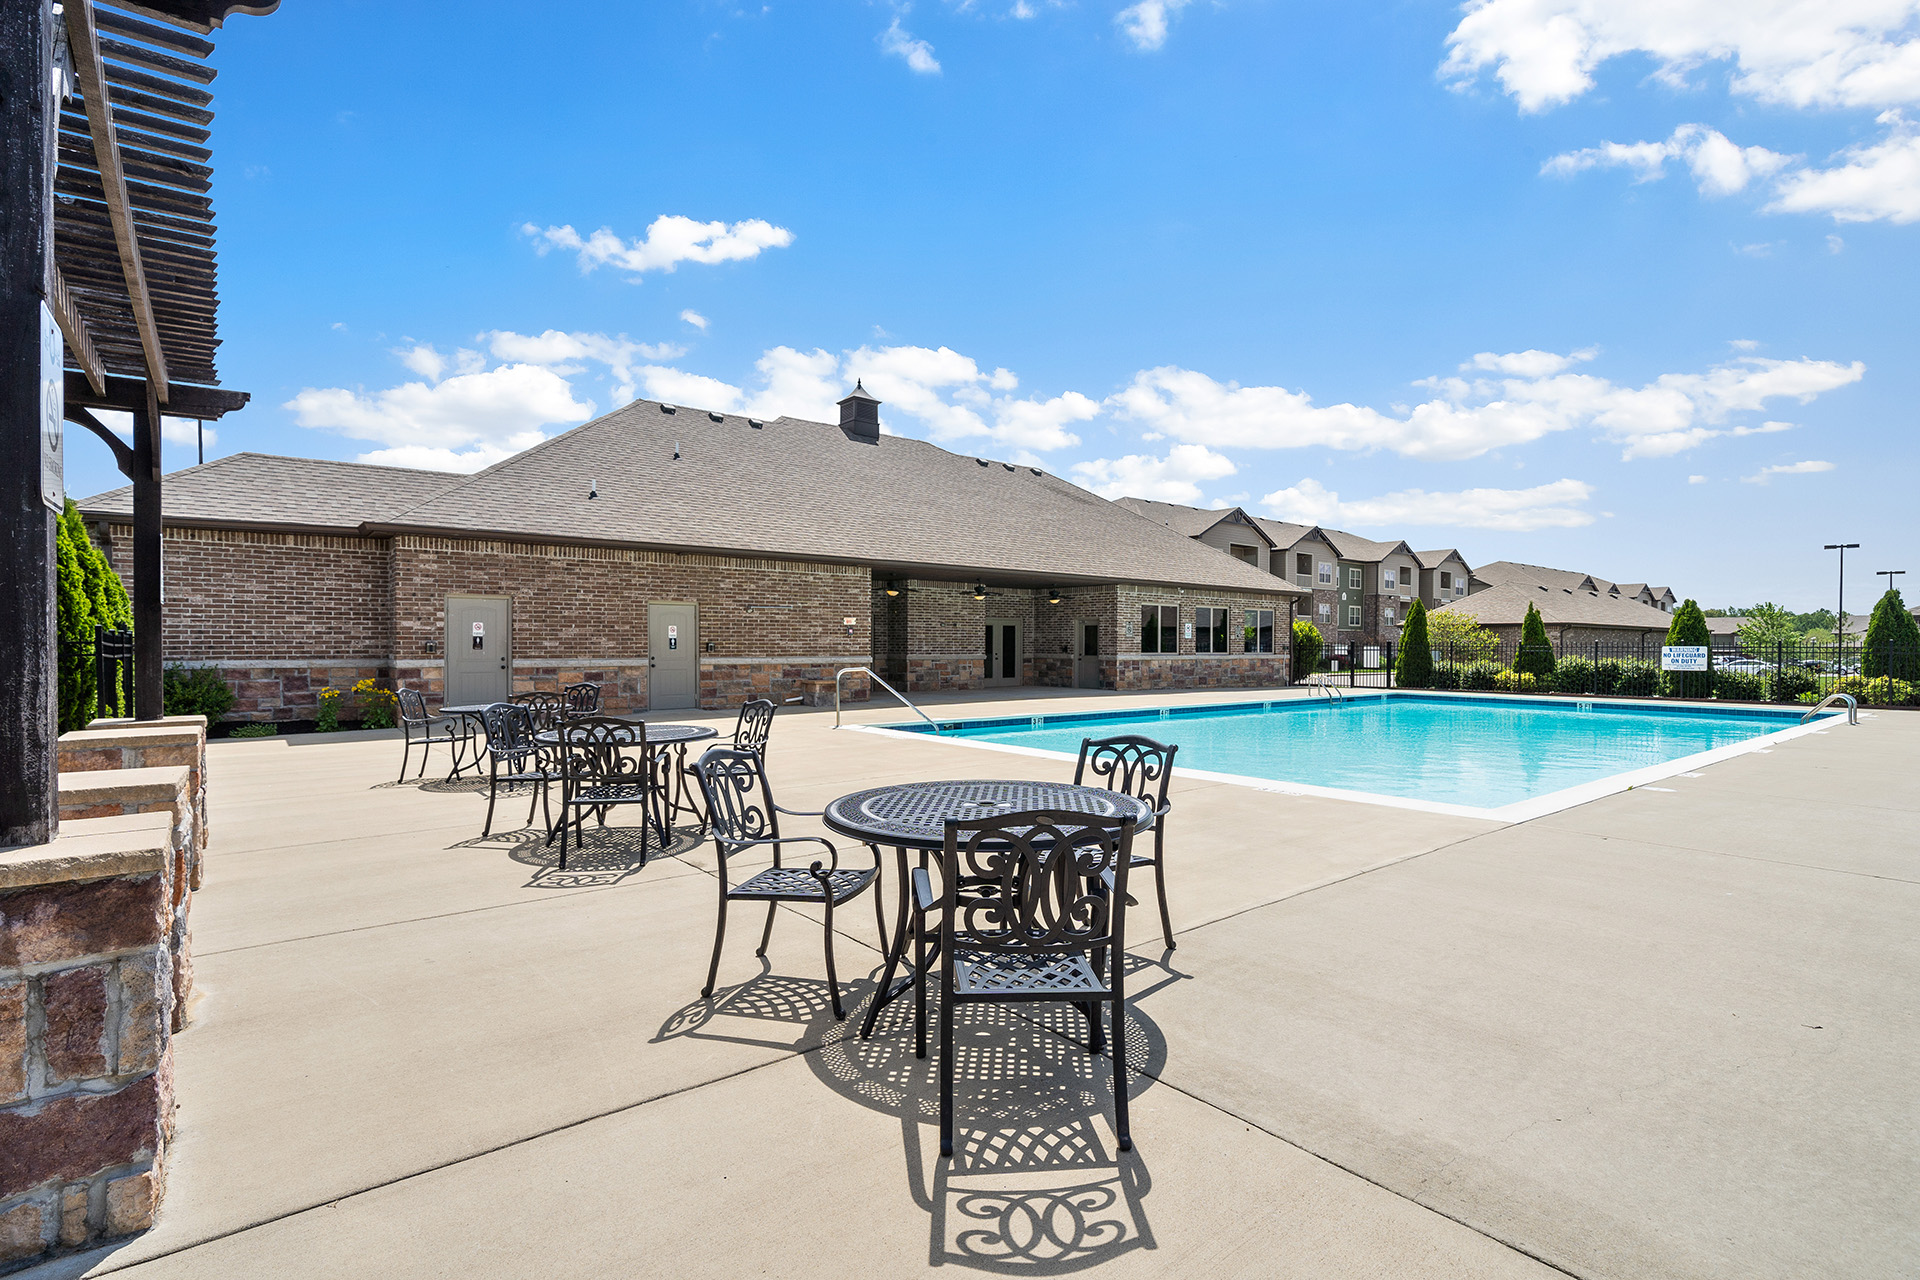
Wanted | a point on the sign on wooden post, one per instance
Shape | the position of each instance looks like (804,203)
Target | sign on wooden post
(53,412)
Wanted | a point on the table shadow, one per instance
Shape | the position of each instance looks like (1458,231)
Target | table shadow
(602,856)
(1037,1185)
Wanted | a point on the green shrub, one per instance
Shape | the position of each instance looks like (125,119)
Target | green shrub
(255,730)
(1444,676)
(1633,678)
(1573,675)
(1535,657)
(88,594)
(1742,685)
(1893,641)
(1791,684)
(326,712)
(1307,647)
(1413,665)
(376,705)
(196,691)
(1689,626)
(1884,691)
(1516,682)
(1480,677)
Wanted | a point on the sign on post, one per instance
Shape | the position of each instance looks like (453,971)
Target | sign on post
(1683,657)
(53,411)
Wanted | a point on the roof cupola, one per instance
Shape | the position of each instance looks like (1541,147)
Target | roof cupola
(860,414)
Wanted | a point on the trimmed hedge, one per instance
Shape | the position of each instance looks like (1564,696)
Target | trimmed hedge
(196,691)
(1573,675)
(1743,685)
(1413,665)
(1307,647)
(1790,684)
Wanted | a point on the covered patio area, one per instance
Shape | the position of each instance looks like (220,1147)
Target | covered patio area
(1666,1033)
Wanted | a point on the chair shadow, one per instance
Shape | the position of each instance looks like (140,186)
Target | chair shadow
(598,858)
(1037,1185)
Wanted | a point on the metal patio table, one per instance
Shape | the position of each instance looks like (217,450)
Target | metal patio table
(668,771)
(477,713)
(913,815)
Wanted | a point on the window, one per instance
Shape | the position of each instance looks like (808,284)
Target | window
(1240,551)
(1459,588)
(1159,628)
(1353,613)
(1209,630)
(1388,615)
(1446,580)
(1390,581)
(1259,638)
(1326,573)
(1303,564)
(1326,612)
(1353,579)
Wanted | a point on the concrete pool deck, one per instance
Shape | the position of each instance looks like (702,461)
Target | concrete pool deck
(1670,1032)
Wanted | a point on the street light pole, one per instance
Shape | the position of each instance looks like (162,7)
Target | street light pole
(1889,575)
(1840,617)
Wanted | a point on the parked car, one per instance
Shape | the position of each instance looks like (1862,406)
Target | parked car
(1747,666)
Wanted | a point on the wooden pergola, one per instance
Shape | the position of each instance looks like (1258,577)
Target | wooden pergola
(108,233)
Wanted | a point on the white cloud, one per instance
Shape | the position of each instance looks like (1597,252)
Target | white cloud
(695,319)
(1471,416)
(1145,23)
(1799,53)
(1835,244)
(1548,506)
(463,422)
(1528,364)
(1174,478)
(1696,479)
(427,361)
(564,352)
(1787,469)
(670,240)
(918,53)
(1720,166)
(1743,344)
(1871,182)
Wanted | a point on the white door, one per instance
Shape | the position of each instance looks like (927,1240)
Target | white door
(1086,662)
(479,650)
(673,641)
(1003,651)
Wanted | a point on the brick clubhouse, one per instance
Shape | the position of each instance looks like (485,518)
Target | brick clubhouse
(684,558)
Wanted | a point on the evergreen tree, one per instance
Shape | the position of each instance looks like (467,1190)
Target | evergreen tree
(1307,645)
(1413,666)
(1689,626)
(1536,651)
(73,626)
(1893,640)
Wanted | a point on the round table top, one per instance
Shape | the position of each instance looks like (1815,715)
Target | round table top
(913,815)
(657,734)
(465,709)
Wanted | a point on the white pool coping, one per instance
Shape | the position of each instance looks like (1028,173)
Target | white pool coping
(1518,811)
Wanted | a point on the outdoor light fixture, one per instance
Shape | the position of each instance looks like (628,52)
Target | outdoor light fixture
(1053,596)
(1840,618)
(980,591)
(593,490)
(893,588)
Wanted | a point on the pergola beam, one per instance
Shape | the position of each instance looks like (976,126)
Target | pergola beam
(83,39)
(129,395)
(74,329)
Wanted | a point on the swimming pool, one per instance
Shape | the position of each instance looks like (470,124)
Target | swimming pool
(1506,758)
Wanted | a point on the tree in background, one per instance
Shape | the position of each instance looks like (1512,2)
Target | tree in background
(1689,626)
(1460,638)
(1893,640)
(1536,651)
(1765,630)
(90,594)
(1413,666)
(1307,645)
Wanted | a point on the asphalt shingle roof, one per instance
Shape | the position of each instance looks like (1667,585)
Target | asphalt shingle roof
(1506,605)
(262,488)
(1187,521)
(1352,546)
(786,489)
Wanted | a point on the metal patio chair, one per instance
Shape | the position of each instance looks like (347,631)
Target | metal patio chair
(755,723)
(1141,768)
(416,730)
(743,817)
(604,764)
(1051,926)
(514,757)
(547,709)
(581,699)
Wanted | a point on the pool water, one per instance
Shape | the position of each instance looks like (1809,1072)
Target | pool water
(1479,753)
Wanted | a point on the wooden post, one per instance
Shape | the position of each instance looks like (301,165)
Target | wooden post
(148,696)
(29,809)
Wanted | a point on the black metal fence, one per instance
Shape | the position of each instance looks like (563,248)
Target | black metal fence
(1802,670)
(113,671)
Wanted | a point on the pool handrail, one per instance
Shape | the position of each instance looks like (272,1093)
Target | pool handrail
(1853,707)
(874,676)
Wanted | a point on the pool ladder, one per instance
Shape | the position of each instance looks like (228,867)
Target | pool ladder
(1853,707)
(1333,692)
(874,676)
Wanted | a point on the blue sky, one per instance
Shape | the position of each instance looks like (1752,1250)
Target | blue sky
(1613,285)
